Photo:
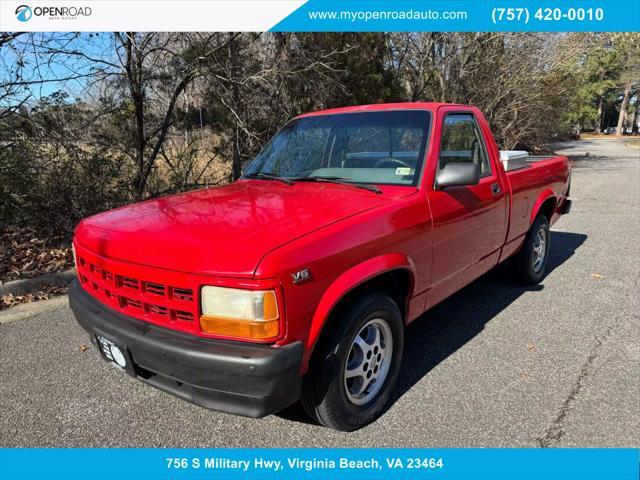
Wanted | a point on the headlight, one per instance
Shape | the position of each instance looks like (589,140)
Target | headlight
(233,312)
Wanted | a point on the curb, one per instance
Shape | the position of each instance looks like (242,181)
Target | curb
(27,310)
(28,285)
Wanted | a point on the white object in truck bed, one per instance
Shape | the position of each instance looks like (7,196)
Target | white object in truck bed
(511,156)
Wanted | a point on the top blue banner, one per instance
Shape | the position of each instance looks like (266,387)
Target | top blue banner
(464,15)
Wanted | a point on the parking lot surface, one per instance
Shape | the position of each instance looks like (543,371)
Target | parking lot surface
(496,365)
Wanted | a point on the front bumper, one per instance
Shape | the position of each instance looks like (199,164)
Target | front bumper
(240,378)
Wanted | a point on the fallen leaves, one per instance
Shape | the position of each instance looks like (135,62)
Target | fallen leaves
(9,300)
(598,276)
(24,254)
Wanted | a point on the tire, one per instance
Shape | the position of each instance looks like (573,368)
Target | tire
(528,265)
(333,400)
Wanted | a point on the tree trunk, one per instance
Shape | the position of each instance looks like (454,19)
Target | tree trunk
(237,159)
(236,169)
(139,132)
(623,108)
(634,125)
(133,67)
(598,127)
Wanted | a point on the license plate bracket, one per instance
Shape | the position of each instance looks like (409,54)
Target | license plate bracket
(115,354)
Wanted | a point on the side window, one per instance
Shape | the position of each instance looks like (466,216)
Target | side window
(462,142)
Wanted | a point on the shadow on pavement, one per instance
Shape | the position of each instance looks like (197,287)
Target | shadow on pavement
(445,328)
(451,324)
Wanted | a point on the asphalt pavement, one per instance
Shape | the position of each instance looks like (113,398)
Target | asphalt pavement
(496,365)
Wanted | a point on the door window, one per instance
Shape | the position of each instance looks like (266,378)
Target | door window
(463,142)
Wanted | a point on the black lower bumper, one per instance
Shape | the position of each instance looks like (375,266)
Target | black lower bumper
(241,378)
(566,207)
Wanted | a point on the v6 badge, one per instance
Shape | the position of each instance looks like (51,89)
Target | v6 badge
(301,276)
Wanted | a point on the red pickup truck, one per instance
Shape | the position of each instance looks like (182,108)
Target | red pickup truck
(296,282)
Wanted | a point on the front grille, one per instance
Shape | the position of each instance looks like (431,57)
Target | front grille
(183,294)
(161,304)
(155,289)
(130,283)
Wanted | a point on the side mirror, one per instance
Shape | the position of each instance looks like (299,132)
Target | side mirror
(458,174)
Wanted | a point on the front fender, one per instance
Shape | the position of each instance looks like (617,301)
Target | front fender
(349,280)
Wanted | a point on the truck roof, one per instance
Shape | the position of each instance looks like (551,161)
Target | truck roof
(383,106)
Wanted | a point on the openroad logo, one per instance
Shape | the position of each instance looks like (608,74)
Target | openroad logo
(24,13)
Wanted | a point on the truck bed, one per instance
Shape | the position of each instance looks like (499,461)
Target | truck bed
(521,163)
(529,177)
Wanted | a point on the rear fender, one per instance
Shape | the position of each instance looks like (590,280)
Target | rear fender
(544,196)
(349,280)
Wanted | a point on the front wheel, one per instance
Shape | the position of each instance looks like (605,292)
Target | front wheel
(530,263)
(356,366)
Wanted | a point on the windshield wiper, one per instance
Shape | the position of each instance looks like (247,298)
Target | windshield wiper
(339,181)
(291,180)
(268,176)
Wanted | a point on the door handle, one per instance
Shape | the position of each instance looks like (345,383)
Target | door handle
(495,189)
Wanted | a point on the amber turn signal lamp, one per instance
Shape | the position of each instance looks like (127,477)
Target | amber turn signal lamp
(232,327)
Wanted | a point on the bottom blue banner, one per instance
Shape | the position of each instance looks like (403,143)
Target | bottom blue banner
(265,464)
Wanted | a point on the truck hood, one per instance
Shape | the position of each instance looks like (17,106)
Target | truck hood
(220,231)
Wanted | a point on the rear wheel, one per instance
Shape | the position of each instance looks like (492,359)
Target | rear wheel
(530,263)
(356,366)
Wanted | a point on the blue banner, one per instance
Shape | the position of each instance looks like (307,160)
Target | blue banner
(302,464)
(464,15)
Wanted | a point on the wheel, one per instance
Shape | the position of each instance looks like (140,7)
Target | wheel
(530,263)
(356,365)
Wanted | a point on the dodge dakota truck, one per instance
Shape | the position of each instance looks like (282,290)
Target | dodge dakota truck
(295,283)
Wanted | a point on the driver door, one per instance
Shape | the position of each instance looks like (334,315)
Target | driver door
(469,222)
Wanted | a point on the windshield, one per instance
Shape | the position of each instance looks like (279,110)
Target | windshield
(384,147)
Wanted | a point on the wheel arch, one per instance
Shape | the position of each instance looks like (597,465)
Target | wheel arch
(545,204)
(394,273)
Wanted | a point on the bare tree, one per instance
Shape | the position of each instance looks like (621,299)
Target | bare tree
(89,121)
(630,76)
